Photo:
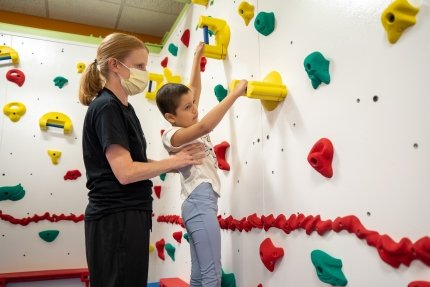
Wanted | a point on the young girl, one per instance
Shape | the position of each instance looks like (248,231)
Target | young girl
(200,183)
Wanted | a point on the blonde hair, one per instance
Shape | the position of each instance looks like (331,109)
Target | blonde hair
(116,45)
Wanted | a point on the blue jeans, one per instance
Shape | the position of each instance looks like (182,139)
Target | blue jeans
(199,213)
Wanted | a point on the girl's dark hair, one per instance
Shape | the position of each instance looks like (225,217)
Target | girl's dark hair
(168,97)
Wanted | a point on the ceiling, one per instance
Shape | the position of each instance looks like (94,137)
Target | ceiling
(147,17)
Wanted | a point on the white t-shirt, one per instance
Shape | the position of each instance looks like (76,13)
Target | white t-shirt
(193,175)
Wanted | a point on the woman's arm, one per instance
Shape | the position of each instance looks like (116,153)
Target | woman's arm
(128,171)
(195,79)
(211,120)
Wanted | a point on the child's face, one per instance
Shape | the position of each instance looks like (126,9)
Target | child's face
(186,112)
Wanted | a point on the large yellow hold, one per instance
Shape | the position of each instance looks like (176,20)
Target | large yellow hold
(397,17)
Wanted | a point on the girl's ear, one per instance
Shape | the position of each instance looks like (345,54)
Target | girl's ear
(170,118)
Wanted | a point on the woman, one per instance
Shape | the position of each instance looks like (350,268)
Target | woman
(118,215)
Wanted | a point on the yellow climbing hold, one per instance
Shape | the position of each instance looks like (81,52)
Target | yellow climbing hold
(397,17)
(158,79)
(246,11)
(80,67)
(170,78)
(270,91)
(55,155)
(14,110)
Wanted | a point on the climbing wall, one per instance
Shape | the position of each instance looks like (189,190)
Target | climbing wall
(50,202)
(373,111)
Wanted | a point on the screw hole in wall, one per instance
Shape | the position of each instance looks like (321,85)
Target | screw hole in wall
(415,145)
(358,100)
(375,98)
(368,213)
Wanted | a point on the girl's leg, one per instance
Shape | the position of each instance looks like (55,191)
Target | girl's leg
(199,213)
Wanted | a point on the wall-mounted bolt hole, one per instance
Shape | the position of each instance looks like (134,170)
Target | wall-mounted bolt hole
(291,43)
(238,251)
(375,98)
(51,193)
(415,145)
(358,100)
(237,181)
(258,140)
(3,174)
(273,172)
(368,213)
(267,136)
(294,124)
(246,162)
(282,149)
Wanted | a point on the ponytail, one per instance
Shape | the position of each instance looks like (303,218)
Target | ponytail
(91,84)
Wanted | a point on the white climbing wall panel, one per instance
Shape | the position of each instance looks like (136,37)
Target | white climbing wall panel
(382,143)
(374,112)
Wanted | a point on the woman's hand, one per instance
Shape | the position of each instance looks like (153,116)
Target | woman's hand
(189,155)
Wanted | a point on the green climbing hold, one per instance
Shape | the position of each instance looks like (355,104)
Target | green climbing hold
(228,280)
(173,49)
(186,237)
(265,23)
(163,176)
(170,250)
(49,235)
(13,193)
(329,269)
(60,81)
(316,67)
(220,92)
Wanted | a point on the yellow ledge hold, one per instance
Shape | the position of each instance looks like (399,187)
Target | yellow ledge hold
(222,37)
(57,120)
(7,53)
(200,2)
(80,67)
(14,110)
(55,155)
(397,17)
(246,11)
(158,79)
(170,78)
(270,91)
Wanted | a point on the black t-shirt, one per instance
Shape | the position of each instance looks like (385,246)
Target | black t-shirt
(108,122)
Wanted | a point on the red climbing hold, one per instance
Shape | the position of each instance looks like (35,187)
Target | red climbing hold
(178,236)
(419,284)
(157,190)
(16,76)
(164,62)
(320,157)
(160,248)
(269,254)
(203,62)
(220,150)
(422,249)
(185,39)
(72,174)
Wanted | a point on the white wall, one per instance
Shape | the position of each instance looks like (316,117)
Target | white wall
(376,167)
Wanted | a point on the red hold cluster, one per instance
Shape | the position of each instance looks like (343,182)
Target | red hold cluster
(419,284)
(391,252)
(164,62)
(173,219)
(36,218)
(185,39)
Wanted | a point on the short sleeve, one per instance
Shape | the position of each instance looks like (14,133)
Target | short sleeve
(167,137)
(110,127)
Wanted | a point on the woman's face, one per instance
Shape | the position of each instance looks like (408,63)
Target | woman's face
(136,59)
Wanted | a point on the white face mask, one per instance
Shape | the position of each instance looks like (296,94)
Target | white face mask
(137,81)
